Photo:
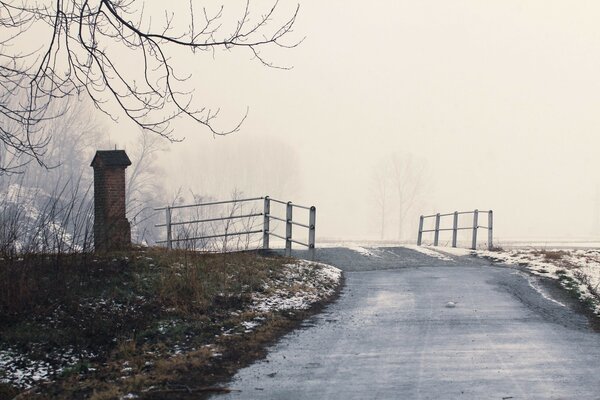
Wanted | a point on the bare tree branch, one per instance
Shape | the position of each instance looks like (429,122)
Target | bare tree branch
(62,48)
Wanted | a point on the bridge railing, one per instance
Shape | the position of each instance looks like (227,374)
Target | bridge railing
(455,227)
(249,228)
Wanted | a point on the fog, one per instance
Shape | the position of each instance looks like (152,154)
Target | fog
(495,103)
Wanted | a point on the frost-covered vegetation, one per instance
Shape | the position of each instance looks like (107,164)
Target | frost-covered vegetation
(34,220)
(578,270)
(140,322)
(49,208)
(215,235)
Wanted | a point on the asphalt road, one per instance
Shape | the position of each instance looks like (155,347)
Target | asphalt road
(394,334)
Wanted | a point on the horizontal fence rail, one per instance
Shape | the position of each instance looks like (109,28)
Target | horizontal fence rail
(212,203)
(289,224)
(455,228)
(266,229)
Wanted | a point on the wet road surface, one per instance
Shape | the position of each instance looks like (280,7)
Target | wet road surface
(409,326)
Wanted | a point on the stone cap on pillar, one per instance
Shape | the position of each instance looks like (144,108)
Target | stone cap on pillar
(110,158)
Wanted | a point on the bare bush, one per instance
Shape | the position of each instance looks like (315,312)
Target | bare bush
(36,221)
(222,230)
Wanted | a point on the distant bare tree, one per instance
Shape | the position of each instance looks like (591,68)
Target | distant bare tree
(380,181)
(397,183)
(115,53)
(407,177)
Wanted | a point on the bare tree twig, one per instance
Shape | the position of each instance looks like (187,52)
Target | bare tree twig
(82,53)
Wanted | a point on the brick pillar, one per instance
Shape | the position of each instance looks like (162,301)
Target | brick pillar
(111,228)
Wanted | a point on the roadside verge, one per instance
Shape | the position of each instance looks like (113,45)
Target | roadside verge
(148,324)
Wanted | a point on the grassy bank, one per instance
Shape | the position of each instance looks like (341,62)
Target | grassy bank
(576,270)
(145,323)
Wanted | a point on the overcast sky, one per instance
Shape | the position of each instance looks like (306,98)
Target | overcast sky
(499,99)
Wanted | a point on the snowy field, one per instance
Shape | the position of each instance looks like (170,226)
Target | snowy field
(319,281)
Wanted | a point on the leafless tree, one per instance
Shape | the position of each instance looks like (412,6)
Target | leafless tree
(380,181)
(407,177)
(397,185)
(73,137)
(115,53)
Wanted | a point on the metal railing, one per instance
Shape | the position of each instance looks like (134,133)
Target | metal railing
(455,228)
(266,229)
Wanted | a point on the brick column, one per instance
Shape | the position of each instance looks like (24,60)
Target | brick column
(111,228)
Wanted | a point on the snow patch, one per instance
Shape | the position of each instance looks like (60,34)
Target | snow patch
(249,326)
(577,269)
(362,251)
(22,371)
(320,281)
(429,251)
(456,251)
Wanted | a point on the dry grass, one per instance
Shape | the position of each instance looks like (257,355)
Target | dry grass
(148,315)
(550,255)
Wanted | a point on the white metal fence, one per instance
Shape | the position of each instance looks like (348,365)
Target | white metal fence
(439,218)
(201,227)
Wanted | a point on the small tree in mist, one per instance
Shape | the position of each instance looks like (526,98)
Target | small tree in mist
(407,177)
(380,182)
(397,186)
(120,55)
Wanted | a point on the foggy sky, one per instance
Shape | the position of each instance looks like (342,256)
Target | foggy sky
(500,100)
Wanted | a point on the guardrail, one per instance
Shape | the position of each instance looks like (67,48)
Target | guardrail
(455,228)
(266,231)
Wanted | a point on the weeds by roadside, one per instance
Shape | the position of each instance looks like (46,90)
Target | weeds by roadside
(578,271)
(143,321)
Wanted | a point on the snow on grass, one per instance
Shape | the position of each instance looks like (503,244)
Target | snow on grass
(535,260)
(362,249)
(23,371)
(303,284)
(429,251)
(456,251)
(20,371)
(249,326)
(578,270)
(37,231)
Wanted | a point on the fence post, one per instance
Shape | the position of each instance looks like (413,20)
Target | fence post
(455,229)
(420,236)
(436,238)
(475,226)
(288,230)
(312,219)
(169,234)
(266,220)
(490,230)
